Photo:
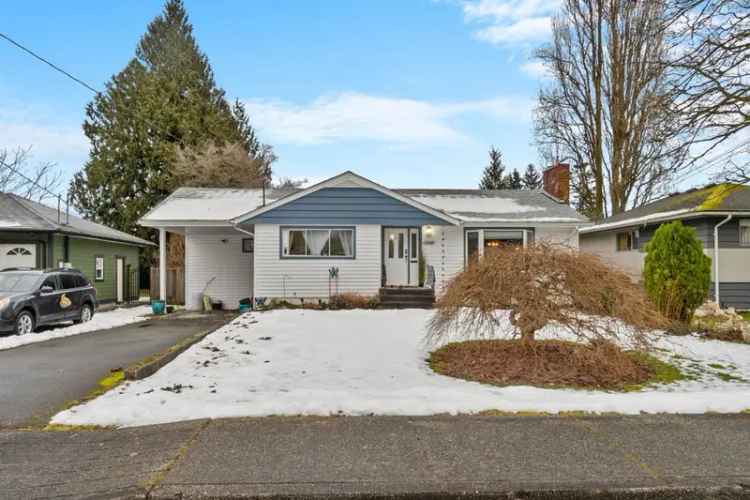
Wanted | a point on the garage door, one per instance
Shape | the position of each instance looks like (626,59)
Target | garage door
(17,255)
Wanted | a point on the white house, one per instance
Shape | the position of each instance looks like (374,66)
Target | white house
(348,234)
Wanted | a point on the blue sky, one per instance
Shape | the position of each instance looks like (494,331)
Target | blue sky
(407,92)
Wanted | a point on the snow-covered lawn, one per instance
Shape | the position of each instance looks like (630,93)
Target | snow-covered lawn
(100,321)
(292,362)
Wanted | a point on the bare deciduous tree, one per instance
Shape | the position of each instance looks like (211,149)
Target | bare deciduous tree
(609,108)
(213,165)
(17,175)
(712,66)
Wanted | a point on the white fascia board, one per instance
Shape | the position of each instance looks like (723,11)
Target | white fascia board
(686,213)
(184,223)
(338,180)
(524,223)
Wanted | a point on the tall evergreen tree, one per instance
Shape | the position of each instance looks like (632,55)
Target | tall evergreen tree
(494,173)
(514,180)
(532,179)
(165,99)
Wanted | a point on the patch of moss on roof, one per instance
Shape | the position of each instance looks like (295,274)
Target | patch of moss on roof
(716,196)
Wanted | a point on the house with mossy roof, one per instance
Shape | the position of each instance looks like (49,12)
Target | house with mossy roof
(720,215)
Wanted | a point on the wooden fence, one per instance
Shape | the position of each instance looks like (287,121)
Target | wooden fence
(175,285)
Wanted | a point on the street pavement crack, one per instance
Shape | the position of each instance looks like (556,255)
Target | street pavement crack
(158,477)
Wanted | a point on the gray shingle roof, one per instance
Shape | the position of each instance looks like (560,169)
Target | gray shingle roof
(18,213)
(500,205)
(713,198)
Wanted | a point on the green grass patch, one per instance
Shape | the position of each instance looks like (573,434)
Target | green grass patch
(745,315)
(662,372)
(717,366)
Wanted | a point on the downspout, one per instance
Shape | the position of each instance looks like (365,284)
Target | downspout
(716,258)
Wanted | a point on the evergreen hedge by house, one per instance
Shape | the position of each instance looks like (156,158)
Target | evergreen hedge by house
(676,271)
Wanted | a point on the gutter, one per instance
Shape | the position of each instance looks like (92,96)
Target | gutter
(717,281)
(238,228)
(660,217)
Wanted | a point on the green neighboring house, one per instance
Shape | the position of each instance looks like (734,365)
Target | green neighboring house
(35,235)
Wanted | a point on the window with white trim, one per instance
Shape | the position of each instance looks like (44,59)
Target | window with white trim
(627,241)
(745,232)
(99,268)
(317,242)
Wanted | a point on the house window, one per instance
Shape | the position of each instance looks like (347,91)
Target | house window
(247,245)
(318,242)
(745,232)
(479,242)
(99,268)
(626,241)
(413,246)
(18,251)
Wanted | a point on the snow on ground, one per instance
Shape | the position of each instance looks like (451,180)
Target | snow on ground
(298,362)
(100,321)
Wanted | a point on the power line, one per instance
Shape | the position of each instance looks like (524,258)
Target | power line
(711,163)
(48,63)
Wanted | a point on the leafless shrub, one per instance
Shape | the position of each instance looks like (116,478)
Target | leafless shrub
(539,285)
(352,301)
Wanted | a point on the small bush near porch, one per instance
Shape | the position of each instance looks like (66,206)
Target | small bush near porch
(576,322)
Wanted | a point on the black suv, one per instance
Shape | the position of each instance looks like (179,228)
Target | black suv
(30,298)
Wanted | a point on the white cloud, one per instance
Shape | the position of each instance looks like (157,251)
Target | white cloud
(535,69)
(507,22)
(49,140)
(354,116)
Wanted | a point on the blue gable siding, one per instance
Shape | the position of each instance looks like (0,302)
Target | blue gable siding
(729,233)
(346,206)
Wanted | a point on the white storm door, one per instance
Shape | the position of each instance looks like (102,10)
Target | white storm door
(396,256)
(17,255)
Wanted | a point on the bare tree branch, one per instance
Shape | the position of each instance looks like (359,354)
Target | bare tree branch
(35,182)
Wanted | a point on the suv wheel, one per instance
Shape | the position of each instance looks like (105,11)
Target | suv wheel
(24,323)
(85,314)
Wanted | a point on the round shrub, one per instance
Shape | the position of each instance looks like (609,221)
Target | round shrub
(676,271)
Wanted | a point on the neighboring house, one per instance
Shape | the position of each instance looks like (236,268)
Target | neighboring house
(38,236)
(348,234)
(722,209)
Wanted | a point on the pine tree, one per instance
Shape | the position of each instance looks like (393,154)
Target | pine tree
(514,180)
(531,178)
(164,100)
(493,176)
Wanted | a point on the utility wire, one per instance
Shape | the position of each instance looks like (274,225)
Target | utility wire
(48,63)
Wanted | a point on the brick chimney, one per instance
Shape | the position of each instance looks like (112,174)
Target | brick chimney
(557,181)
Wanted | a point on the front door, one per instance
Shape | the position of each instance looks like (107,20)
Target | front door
(396,256)
(120,281)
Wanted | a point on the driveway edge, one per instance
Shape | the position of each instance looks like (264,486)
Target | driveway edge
(152,364)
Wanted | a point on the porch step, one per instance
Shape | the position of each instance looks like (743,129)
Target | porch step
(397,298)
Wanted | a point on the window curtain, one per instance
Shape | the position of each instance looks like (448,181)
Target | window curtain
(345,239)
(316,241)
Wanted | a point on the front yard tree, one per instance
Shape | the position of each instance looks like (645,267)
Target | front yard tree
(164,100)
(494,173)
(677,273)
(609,106)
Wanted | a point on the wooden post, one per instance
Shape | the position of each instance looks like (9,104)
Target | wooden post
(163,264)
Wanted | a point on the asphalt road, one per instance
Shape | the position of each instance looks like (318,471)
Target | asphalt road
(643,457)
(36,379)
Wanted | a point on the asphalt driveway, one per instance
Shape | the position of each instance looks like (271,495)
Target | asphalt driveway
(37,379)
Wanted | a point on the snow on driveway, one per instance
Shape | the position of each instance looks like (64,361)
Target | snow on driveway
(297,362)
(100,321)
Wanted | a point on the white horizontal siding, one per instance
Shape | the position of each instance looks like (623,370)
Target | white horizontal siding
(444,251)
(567,236)
(308,278)
(216,254)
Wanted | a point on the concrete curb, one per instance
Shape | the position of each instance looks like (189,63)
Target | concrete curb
(152,364)
(215,491)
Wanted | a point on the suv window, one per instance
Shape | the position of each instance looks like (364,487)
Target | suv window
(68,281)
(81,281)
(50,281)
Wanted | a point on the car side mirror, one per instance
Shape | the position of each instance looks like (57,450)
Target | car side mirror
(46,289)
